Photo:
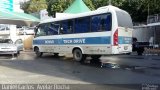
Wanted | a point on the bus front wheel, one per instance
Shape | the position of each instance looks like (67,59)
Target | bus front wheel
(38,53)
(78,56)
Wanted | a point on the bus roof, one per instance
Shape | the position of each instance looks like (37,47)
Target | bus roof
(100,10)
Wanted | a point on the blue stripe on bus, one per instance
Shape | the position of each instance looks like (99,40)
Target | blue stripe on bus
(87,40)
(124,40)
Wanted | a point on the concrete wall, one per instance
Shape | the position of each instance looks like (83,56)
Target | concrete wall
(27,41)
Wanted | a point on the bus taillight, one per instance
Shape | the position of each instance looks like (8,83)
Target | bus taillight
(115,38)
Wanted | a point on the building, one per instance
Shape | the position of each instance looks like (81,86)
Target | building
(6,5)
(44,15)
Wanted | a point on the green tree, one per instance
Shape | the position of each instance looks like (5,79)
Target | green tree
(57,6)
(89,3)
(24,6)
(34,6)
(138,9)
(100,3)
(61,5)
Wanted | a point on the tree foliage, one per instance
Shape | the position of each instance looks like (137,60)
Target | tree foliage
(138,9)
(61,5)
(100,3)
(90,4)
(34,6)
(57,6)
(24,6)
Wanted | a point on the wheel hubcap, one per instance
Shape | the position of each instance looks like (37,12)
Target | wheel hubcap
(37,52)
(77,55)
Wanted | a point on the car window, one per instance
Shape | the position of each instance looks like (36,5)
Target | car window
(6,41)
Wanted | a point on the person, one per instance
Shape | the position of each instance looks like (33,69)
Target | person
(134,44)
(151,42)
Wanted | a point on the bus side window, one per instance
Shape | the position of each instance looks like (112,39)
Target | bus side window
(70,27)
(106,22)
(95,23)
(64,27)
(61,30)
(67,27)
(82,25)
(54,28)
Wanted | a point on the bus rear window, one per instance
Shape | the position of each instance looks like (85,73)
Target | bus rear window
(124,19)
(101,23)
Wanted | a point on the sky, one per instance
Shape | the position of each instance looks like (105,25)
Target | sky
(11,5)
(17,5)
(17,1)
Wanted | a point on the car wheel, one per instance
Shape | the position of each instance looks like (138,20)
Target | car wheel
(15,54)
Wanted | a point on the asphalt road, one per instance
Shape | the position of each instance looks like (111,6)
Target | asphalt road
(121,69)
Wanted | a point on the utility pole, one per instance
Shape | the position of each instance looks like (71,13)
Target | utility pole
(148,9)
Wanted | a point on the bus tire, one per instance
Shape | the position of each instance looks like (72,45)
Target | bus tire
(78,56)
(95,57)
(38,53)
(15,54)
(128,53)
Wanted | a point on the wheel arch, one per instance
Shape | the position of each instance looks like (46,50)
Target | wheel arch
(78,47)
(35,48)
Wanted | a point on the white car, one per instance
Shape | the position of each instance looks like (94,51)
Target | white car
(26,31)
(29,31)
(7,46)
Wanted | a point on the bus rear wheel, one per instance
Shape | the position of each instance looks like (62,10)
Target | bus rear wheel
(38,53)
(78,56)
(95,56)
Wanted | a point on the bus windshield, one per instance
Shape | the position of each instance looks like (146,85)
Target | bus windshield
(124,19)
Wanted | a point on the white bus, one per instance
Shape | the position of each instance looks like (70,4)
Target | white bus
(105,31)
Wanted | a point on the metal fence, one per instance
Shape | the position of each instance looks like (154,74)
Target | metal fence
(153,18)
